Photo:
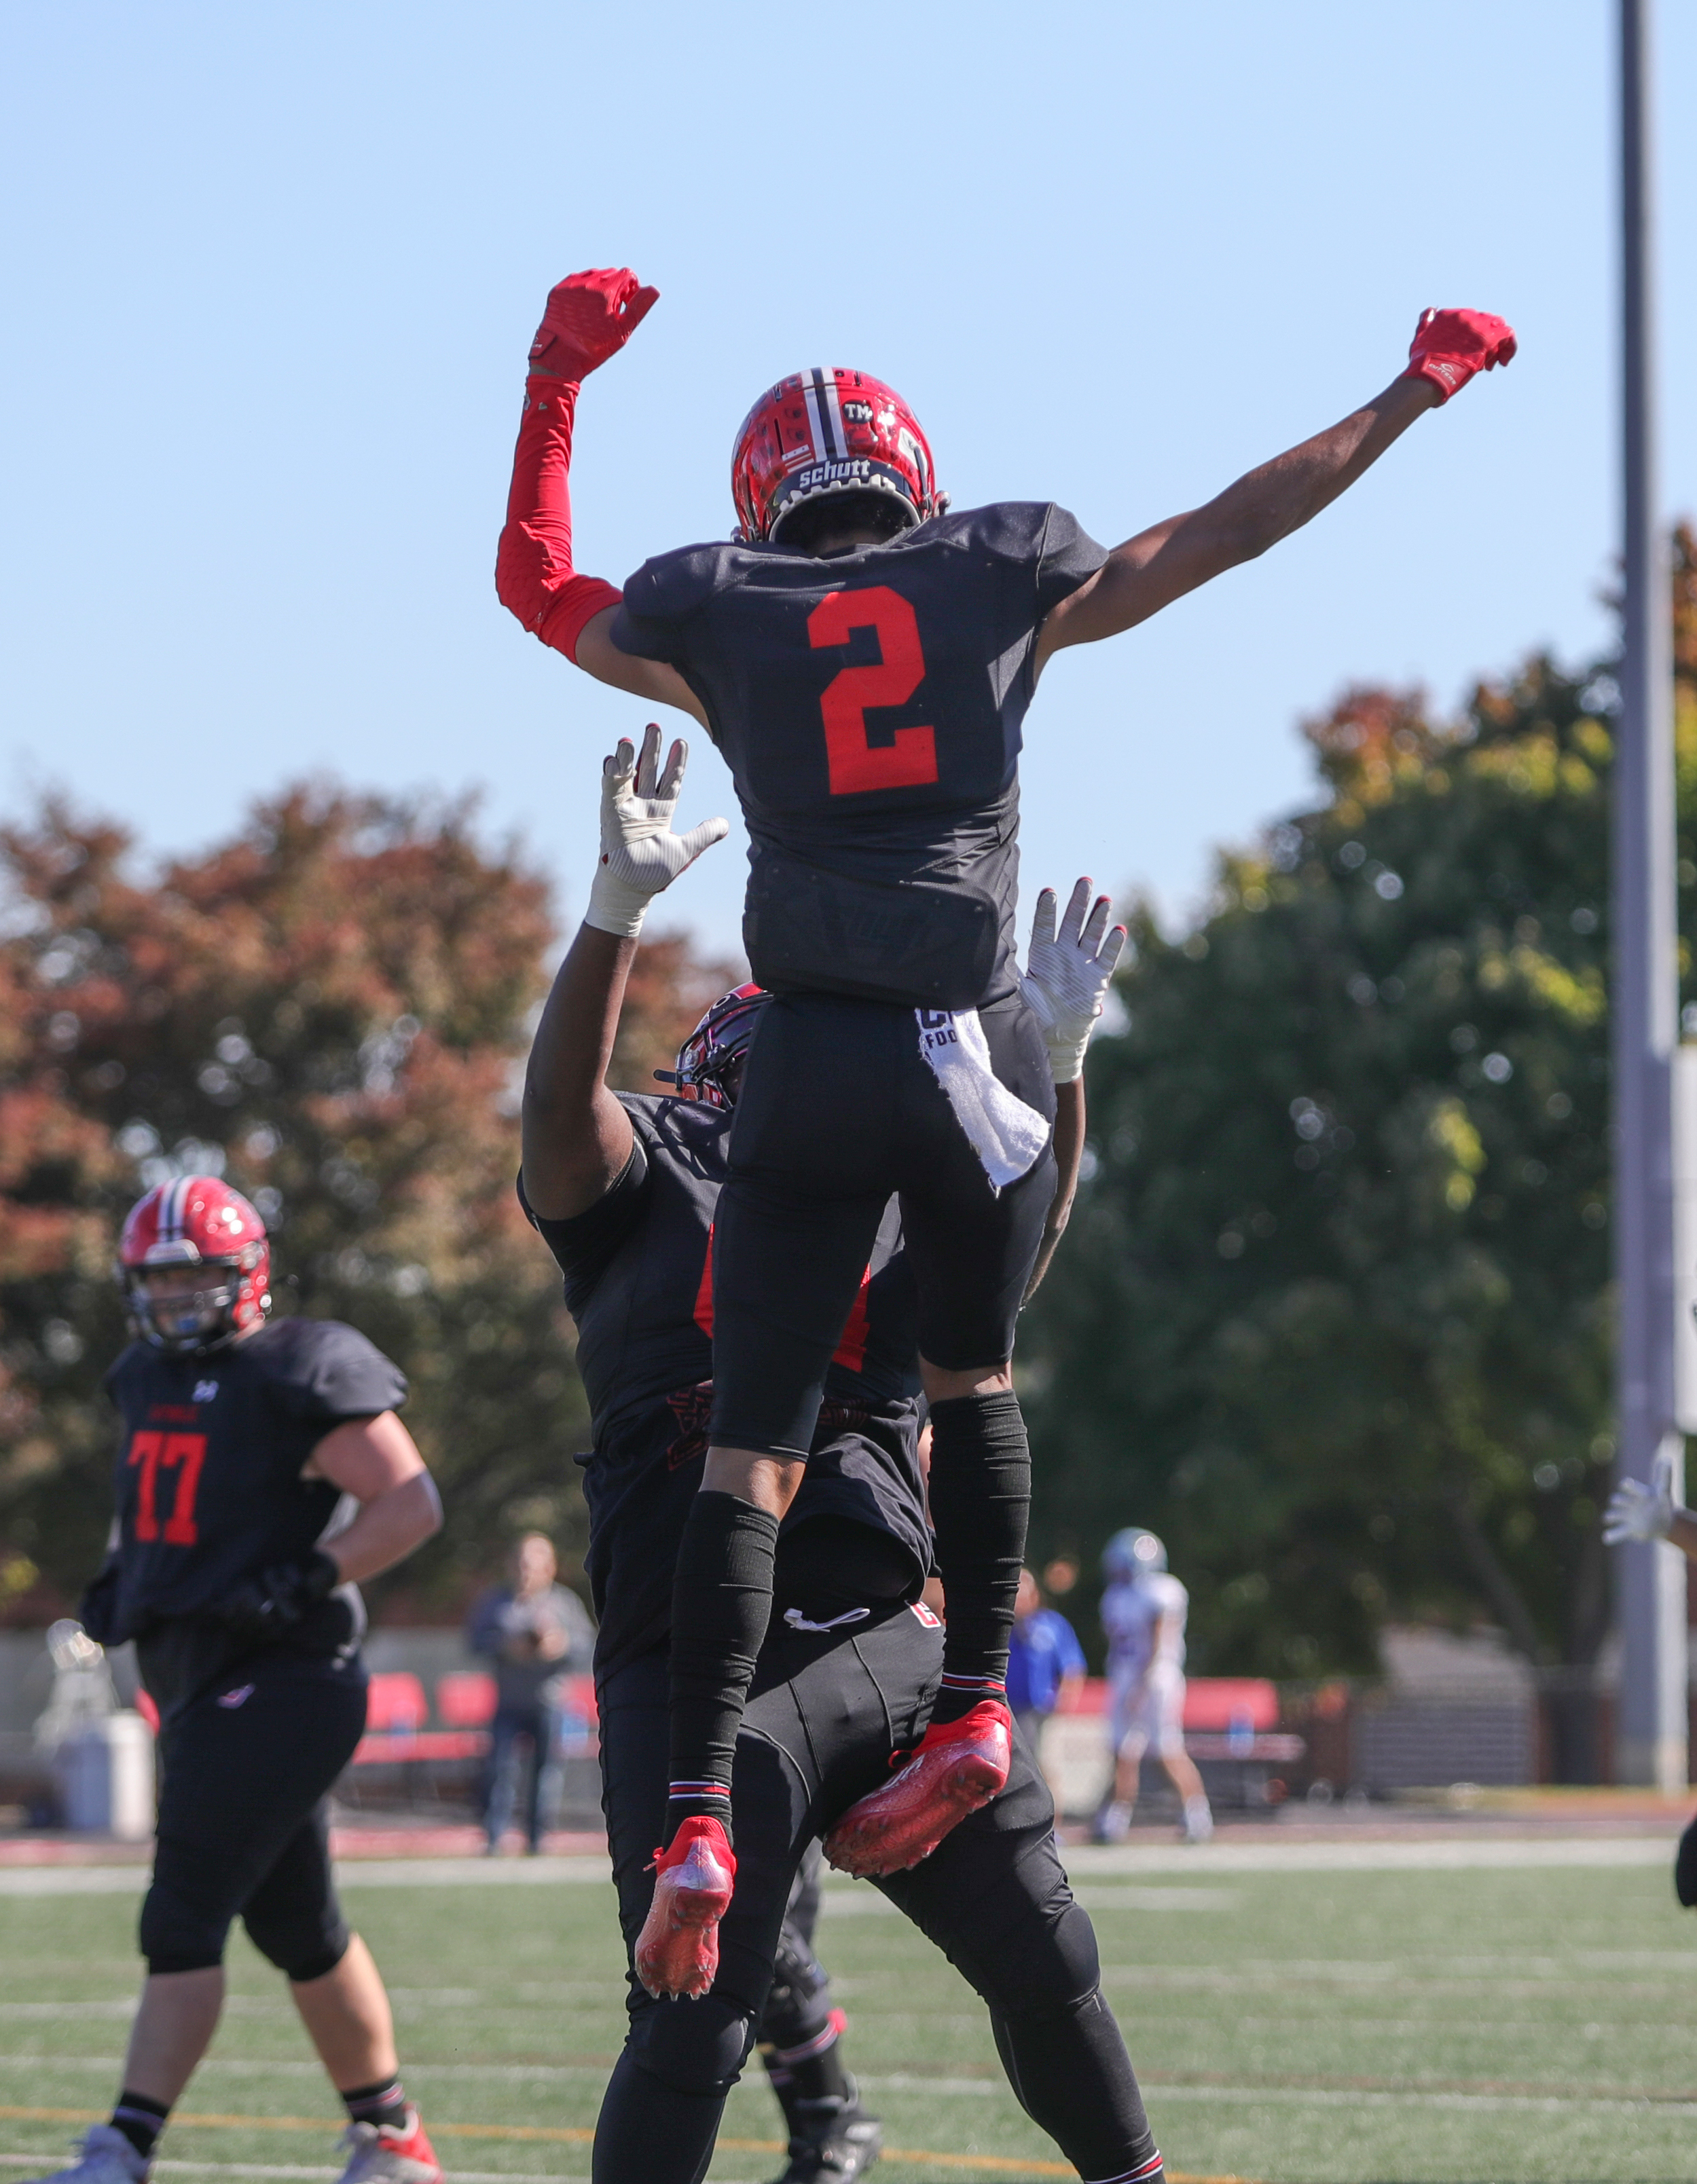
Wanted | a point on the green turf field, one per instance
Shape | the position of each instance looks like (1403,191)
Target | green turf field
(1366,2025)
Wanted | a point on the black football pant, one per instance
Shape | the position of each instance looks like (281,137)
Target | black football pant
(824,1713)
(798,2002)
(245,1809)
(839,1110)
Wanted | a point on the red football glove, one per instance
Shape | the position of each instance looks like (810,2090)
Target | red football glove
(1449,346)
(590,316)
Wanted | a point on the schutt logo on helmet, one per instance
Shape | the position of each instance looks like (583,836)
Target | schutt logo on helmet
(822,433)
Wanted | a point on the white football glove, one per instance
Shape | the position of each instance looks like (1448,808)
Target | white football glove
(1067,974)
(1637,1512)
(640,854)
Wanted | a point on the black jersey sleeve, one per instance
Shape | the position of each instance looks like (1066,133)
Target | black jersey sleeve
(1069,557)
(653,619)
(328,1372)
(584,1244)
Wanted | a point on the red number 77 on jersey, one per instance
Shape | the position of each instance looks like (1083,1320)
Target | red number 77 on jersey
(153,1452)
(857,765)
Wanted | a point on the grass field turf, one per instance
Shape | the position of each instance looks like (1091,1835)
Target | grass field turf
(1396,2027)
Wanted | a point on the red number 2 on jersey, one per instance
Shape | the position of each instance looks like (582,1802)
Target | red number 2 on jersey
(856,764)
(183,1453)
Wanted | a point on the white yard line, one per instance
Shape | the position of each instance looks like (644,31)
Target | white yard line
(291,2169)
(1334,2098)
(1086,1862)
(899,2081)
(1455,1854)
(352,1873)
(236,2066)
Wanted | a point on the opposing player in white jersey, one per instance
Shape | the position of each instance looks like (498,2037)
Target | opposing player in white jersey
(1144,1613)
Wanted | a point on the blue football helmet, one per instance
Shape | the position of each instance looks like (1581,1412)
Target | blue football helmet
(1132,1553)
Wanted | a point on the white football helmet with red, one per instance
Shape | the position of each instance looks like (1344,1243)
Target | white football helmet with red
(196,1221)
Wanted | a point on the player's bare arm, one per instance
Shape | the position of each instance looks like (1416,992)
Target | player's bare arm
(576,1137)
(376,1461)
(1068,970)
(1068,1148)
(652,679)
(1161,564)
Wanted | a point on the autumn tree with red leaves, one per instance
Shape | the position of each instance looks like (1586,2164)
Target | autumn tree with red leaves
(331,1009)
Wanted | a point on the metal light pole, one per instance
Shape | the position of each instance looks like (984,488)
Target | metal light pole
(1650,1736)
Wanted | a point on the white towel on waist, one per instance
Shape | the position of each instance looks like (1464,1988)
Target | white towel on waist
(1007,1136)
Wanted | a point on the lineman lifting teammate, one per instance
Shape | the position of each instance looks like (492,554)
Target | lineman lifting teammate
(241,1443)
(864,660)
(625,1189)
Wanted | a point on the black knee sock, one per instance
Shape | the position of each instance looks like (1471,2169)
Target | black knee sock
(1071,2075)
(813,2089)
(383,2104)
(721,1604)
(140,2119)
(980,1491)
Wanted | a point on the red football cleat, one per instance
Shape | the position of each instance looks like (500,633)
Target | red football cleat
(678,1950)
(379,2153)
(958,1766)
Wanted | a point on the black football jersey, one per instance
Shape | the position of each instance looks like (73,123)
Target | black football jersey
(871,708)
(638,1269)
(208,1482)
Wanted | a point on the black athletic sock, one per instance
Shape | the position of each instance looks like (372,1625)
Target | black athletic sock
(1071,2075)
(383,2104)
(721,1604)
(140,2119)
(813,2089)
(980,1489)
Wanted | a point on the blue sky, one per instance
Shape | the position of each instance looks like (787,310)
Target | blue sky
(271,275)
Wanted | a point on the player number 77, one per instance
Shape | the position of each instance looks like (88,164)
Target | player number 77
(156,1451)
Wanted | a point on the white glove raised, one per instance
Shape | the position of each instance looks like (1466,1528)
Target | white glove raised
(1637,1512)
(1067,974)
(640,854)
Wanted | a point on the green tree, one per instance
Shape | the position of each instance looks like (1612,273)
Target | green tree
(1334,1315)
(332,1010)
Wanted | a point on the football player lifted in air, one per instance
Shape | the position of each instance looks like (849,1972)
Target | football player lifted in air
(863,658)
(239,1440)
(625,1191)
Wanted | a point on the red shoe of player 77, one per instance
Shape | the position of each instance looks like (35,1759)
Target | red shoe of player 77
(958,1766)
(379,2153)
(678,1950)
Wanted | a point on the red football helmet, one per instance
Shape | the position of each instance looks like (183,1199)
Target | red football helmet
(820,432)
(710,1061)
(196,1221)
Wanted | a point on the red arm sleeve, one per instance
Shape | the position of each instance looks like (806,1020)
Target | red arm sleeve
(535,578)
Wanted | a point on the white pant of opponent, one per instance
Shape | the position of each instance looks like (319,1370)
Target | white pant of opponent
(1146,1714)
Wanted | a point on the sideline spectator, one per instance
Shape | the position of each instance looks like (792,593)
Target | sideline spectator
(532,1630)
(1144,1613)
(1044,1662)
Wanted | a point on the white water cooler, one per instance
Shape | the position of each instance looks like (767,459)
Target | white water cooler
(105,1775)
